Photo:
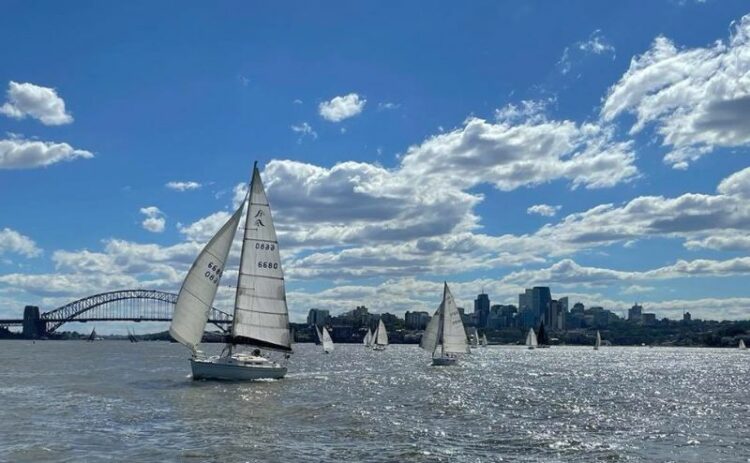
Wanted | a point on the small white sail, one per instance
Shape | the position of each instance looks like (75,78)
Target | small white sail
(367,341)
(474,337)
(381,335)
(598,341)
(531,338)
(261,317)
(326,340)
(483,340)
(430,337)
(199,287)
(742,344)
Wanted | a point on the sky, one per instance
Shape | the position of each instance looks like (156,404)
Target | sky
(597,148)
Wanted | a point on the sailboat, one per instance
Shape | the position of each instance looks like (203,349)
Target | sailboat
(325,340)
(380,338)
(367,341)
(92,336)
(473,337)
(483,340)
(531,342)
(445,335)
(261,317)
(598,340)
(131,336)
(742,344)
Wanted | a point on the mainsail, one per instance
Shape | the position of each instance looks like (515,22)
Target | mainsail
(742,344)
(483,340)
(474,337)
(326,340)
(367,341)
(381,335)
(261,317)
(598,340)
(446,329)
(199,288)
(531,338)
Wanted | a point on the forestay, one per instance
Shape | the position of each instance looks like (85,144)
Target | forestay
(198,290)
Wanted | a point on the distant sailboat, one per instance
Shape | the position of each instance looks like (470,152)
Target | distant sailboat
(261,317)
(598,341)
(483,341)
(92,336)
(742,344)
(445,336)
(326,341)
(531,342)
(131,337)
(473,337)
(380,338)
(367,341)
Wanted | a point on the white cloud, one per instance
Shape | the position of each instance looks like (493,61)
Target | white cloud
(596,44)
(543,209)
(388,105)
(183,186)
(41,103)
(698,99)
(304,129)
(342,107)
(12,241)
(19,153)
(154,221)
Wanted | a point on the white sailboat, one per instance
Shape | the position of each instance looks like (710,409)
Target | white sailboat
(261,317)
(742,344)
(326,341)
(380,338)
(483,341)
(367,341)
(445,336)
(598,340)
(531,339)
(474,337)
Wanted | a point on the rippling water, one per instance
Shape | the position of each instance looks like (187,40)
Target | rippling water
(116,401)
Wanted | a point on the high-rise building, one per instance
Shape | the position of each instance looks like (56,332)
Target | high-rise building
(635,313)
(686,317)
(317,317)
(481,310)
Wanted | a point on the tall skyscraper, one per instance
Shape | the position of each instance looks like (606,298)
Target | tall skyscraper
(317,317)
(481,310)
(540,299)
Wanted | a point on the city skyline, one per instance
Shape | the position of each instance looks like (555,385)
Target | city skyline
(399,150)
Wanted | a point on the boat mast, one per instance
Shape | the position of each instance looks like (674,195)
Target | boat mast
(230,344)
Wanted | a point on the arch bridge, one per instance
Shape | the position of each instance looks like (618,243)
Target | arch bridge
(134,305)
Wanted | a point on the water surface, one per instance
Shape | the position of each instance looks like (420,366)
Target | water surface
(117,401)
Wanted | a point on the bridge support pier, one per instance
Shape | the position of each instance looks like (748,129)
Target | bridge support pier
(33,325)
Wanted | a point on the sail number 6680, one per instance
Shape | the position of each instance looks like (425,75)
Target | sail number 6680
(269,265)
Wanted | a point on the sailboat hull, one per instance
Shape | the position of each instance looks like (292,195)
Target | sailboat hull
(444,361)
(229,369)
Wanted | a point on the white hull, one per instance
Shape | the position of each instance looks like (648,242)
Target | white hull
(444,361)
(235,369)
(378,347)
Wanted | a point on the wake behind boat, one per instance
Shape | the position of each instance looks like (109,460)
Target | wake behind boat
(261,317)
(445,336)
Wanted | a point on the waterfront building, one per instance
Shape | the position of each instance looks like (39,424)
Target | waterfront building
(317,317)
(416,320)
(686,317)
(481,310)
(635,313)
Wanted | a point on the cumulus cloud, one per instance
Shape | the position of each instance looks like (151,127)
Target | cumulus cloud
(31,100)
(183,186)
(696,98)
(154,221)
(19,153)
(341,107)
(13,242)
(543,209)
